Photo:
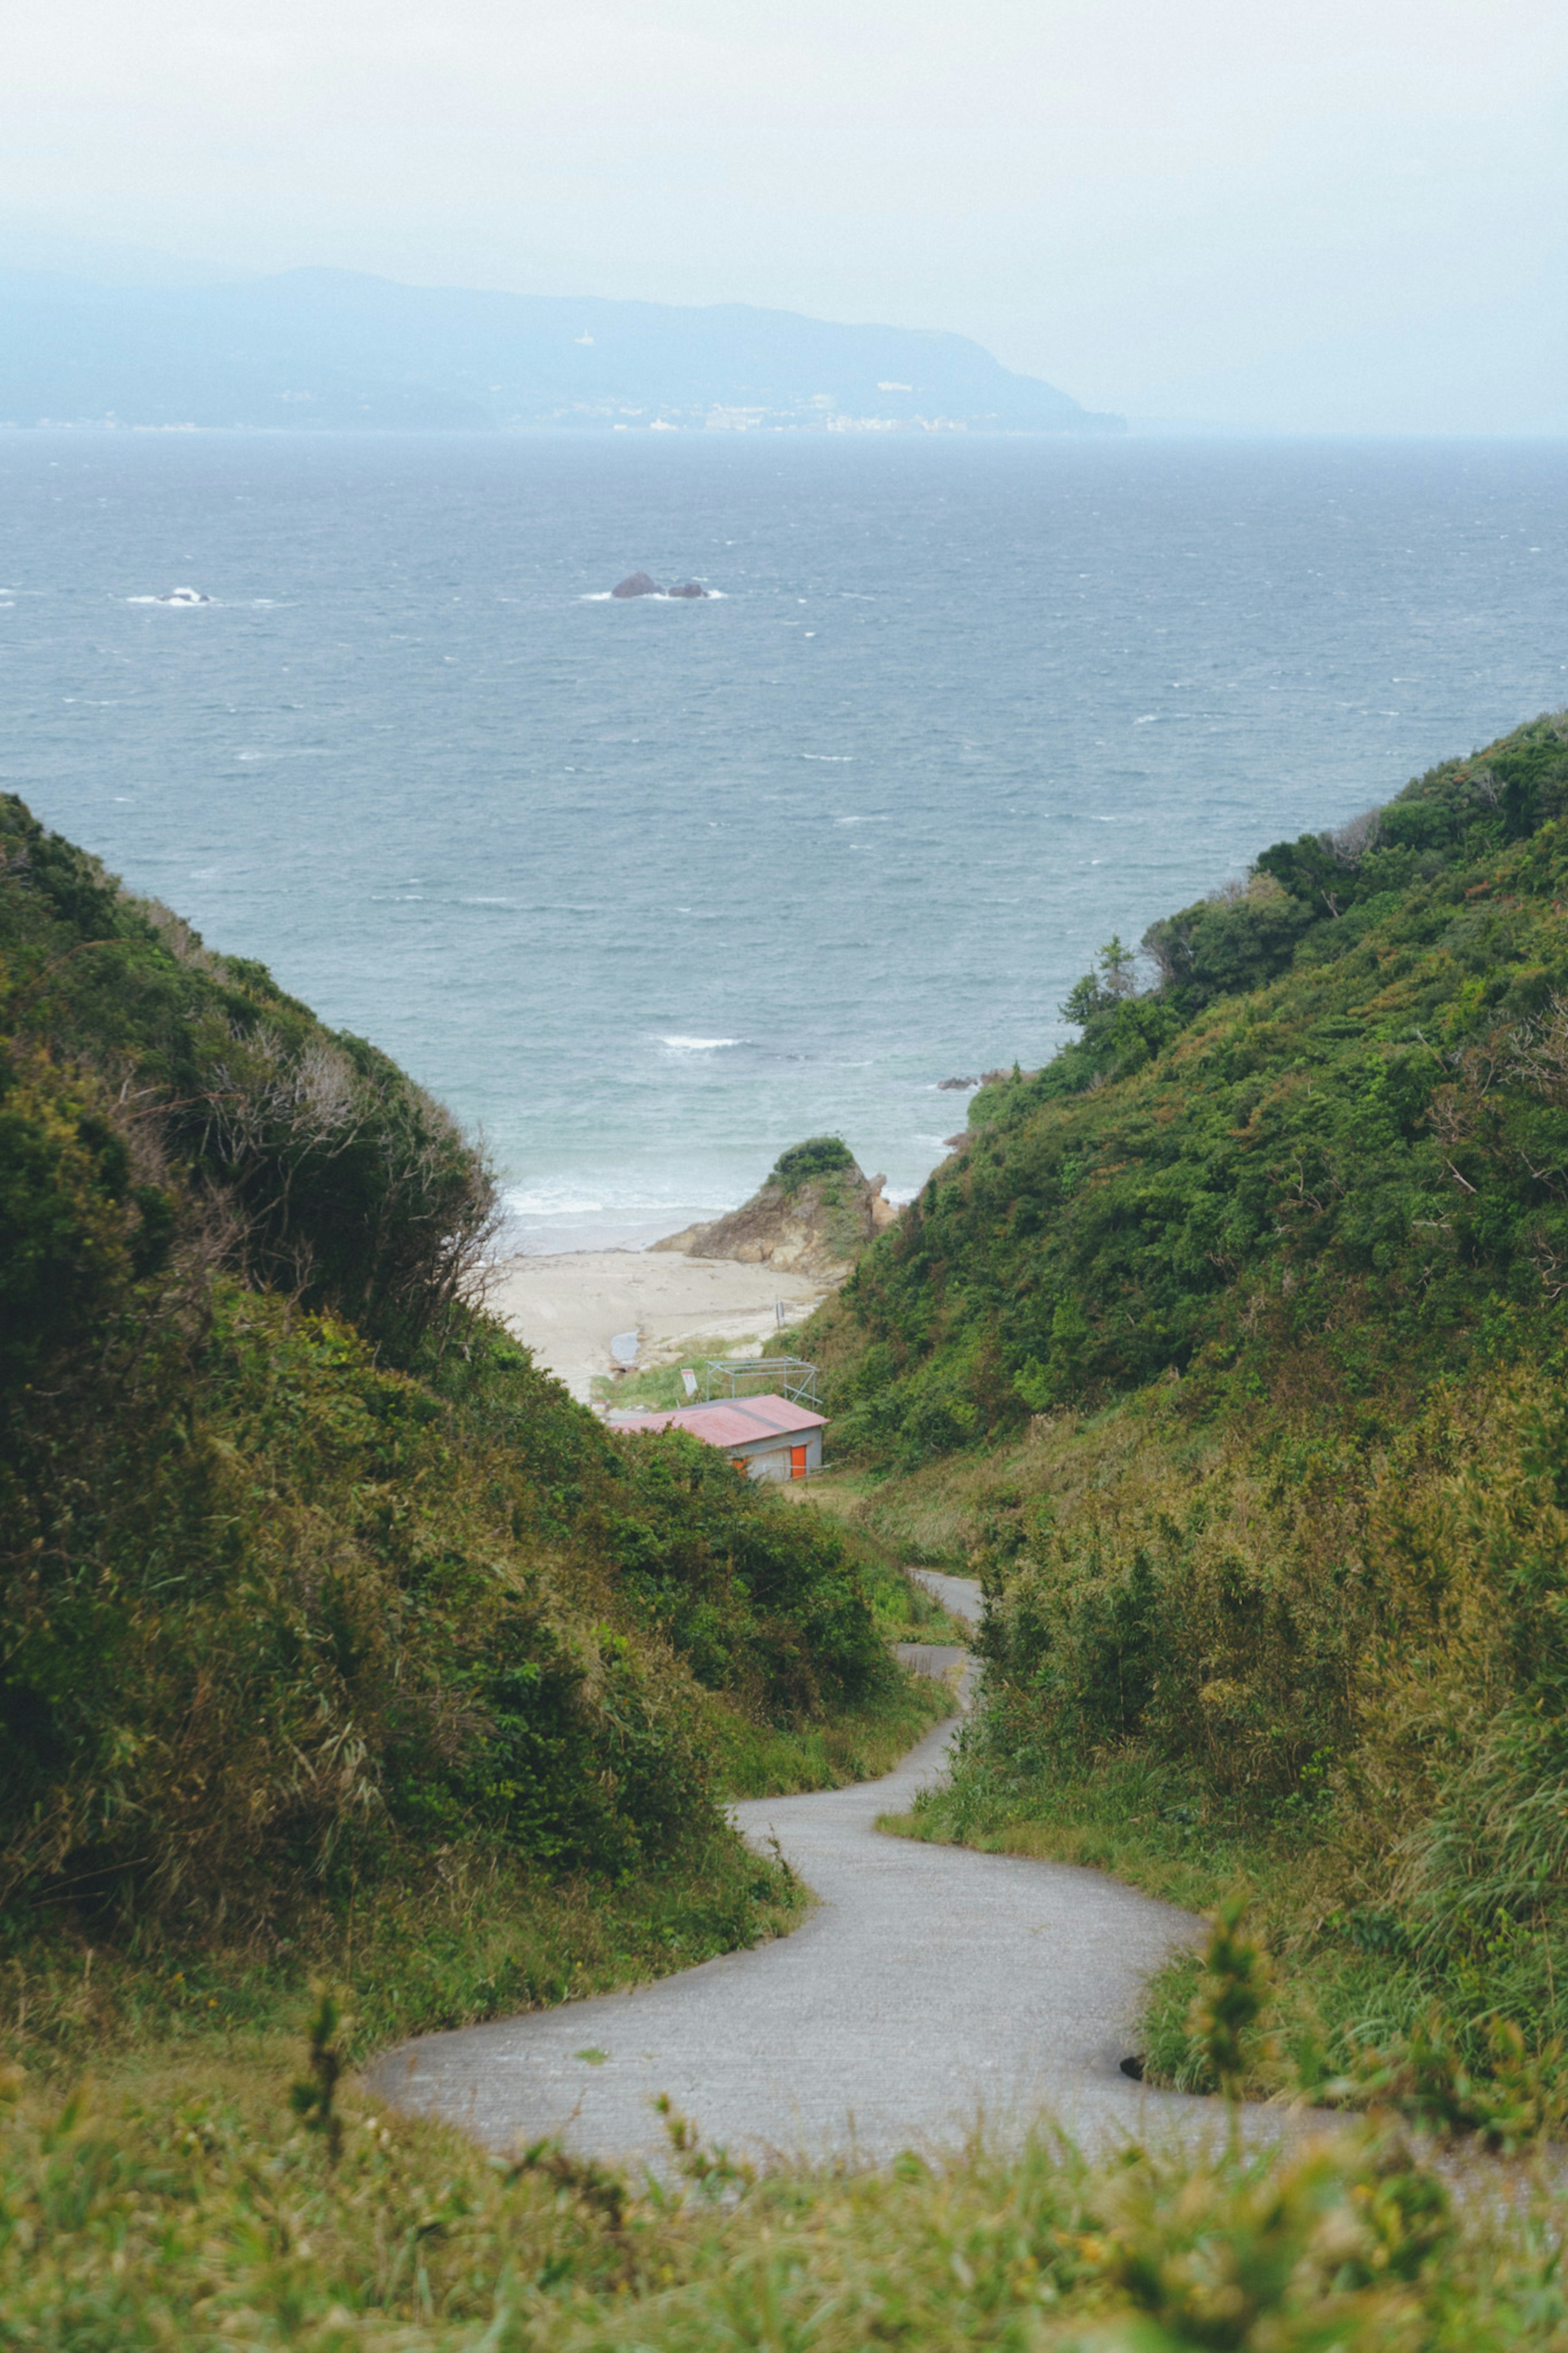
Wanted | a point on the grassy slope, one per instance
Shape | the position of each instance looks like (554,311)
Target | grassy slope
(332,1635)
(1327,1146)
(1230,1354)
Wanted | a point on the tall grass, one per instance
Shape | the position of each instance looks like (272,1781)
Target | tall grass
(194,2207)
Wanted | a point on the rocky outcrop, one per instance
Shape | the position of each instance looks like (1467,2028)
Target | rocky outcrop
(818,1226)
(639,584)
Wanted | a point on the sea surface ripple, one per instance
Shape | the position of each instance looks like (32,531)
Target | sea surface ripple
(647,889)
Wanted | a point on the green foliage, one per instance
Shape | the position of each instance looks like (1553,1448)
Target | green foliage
(447,1940)
(1277,1276)
(310,1583)
(313,2095)
(804,1164)
(150,1090)
(1333,1676)
(188,2208)
(859,1742)
(1101,991)
(1231,1999)
(1331,1141)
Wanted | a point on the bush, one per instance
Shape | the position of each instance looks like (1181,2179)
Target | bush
(819,1155)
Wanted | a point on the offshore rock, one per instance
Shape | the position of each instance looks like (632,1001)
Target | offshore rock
(635,584)
(688,588)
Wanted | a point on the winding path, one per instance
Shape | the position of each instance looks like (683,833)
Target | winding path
(931,1987)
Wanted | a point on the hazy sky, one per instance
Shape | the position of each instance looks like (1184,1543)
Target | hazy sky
(1332,214)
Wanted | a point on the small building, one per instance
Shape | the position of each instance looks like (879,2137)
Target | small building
(765,1437)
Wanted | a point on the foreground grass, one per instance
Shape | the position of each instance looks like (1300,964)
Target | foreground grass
(192,2206)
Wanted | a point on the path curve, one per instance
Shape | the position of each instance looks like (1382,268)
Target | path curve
(932,1987)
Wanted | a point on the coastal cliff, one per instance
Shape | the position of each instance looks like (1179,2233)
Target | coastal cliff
(814,1216)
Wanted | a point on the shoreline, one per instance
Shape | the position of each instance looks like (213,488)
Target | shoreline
(567,1306)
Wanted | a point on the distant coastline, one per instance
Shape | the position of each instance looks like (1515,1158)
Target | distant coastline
(325,350)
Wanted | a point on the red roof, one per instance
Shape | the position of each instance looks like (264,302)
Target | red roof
(730,1421)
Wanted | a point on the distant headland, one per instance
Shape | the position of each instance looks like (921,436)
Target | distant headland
(331,349)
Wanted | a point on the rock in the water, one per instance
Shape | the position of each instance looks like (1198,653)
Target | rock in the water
(637,584)
(688,588)
(950,1086)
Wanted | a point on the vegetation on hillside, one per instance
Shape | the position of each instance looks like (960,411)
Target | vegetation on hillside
(1233,1340)
(313,1588)
(331,1631)
(1330,1135)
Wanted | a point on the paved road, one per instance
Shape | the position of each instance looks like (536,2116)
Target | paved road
(930,1986)
(959,1596)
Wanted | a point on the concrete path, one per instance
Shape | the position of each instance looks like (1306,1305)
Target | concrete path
(931,1987)
(959,1596)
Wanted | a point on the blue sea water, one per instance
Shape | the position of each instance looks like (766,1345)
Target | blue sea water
(647,891)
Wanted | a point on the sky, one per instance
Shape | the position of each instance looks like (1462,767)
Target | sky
(1334,216)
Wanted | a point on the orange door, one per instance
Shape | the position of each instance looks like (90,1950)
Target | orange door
(797,1462)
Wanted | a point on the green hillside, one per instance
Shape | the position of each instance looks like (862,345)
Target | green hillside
(328,1627)
(1332,1127)
(337,1643)
(1229,1348)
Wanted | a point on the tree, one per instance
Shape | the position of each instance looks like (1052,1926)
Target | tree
(1101,991)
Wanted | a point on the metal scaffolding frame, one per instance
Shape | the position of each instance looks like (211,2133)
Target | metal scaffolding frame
(790,1377)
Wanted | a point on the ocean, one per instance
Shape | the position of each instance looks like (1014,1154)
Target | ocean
(647,891)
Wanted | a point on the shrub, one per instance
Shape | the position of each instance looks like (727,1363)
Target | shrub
(803,1164)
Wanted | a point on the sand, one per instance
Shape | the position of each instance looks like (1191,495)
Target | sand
(568,1308)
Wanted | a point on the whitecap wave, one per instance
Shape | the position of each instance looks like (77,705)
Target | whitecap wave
(830,759)
(551,1201)
(653,597)
(680,1045)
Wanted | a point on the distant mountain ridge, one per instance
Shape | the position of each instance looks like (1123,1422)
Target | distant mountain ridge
(334,349)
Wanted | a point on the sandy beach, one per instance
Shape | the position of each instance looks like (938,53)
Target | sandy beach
(568,1308)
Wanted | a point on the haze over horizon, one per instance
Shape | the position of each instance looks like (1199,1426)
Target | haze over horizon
(1345,222)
